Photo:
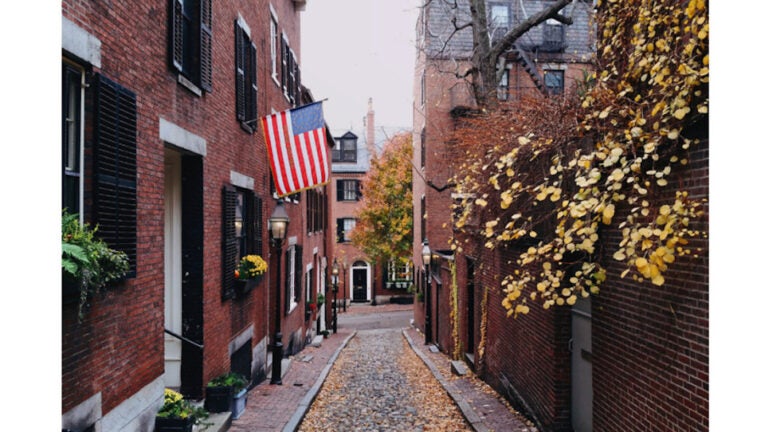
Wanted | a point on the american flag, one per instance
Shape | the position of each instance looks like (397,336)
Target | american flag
(297,148)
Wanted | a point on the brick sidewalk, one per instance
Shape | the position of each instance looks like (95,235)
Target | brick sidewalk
(281,407)
(483,408)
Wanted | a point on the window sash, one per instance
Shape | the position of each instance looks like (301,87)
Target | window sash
(72,150)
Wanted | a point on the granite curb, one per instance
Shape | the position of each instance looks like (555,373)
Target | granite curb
(306,402)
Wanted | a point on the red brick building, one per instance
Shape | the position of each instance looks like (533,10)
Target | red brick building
(360,278)
(636,357)
(162,149)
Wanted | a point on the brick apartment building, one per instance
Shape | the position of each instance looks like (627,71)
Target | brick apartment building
(635,356)
(361,279)
(162,149)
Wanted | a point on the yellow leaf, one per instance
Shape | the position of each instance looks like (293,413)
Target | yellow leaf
(523,140)
(658,280)
(619,255)
(608,213)
(681,112)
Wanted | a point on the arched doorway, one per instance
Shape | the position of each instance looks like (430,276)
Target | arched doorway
(360,280)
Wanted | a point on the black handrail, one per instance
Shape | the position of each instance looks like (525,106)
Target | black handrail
(183,339)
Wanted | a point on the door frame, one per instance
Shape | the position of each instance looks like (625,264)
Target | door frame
(365,267)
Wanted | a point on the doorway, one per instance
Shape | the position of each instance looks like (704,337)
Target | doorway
(183,272)
(470,347)
(172,262)
(581,366)
(360,282)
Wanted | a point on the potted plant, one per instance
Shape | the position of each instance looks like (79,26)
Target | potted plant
(320,299)
(227,392)
(249,273)
(177,414)
(87,262)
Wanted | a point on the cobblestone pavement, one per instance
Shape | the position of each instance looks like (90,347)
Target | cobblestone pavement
(379,384)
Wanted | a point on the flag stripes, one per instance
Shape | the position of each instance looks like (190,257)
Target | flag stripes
(297,148)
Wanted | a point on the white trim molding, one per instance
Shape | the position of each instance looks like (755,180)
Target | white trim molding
(182,138)
(80,43)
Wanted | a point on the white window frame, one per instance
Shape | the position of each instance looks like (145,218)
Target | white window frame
(273,43)
(291,300)
(80,138)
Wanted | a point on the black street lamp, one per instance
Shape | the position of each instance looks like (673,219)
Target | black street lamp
(344,303)
(335,280)
(278,227)
(426,258)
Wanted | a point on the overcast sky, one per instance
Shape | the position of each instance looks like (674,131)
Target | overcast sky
(355,49)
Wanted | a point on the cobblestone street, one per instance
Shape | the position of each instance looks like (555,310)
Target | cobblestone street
(379,384)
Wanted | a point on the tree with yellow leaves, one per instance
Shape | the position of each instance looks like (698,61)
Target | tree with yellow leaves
(384,229)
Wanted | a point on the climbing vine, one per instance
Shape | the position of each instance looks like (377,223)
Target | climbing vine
(546,176)
(483,329)
(455,321)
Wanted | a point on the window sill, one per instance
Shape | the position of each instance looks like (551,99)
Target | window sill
(189,85)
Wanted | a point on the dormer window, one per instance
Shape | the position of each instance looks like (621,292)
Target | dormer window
(345,149)
(499,20)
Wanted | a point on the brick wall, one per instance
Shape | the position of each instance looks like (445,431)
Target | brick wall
(118,348)
(651,344)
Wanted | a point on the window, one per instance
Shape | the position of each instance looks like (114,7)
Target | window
(555,81)
(246,90)
(399,271)
(71,124)
(345,149)
(423,218)
(289,72)
(344,227)
(114,166)
(423,147)
(273,45)
(348,190)
(316,203)
(499,20)
(502,91)
(243,231)
(191,41)
(554,36)
(292,277)
(423,88)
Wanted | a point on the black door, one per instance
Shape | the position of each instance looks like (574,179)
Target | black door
(359,288)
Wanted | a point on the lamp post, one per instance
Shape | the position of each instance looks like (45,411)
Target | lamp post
(426,258)
(278,227)
(344,303)
(335,280)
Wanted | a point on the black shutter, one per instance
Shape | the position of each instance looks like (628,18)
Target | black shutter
(358,190)
(297,286)
(339,190)
(256,225)
(284,63)
(228,243)
(339,230)
(206,46)
(115,167)
(287,288)
(239,73)
(253,88)
(177,35)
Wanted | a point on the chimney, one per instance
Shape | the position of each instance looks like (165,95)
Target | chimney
(370,129)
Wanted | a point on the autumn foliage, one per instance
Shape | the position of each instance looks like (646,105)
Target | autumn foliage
(384,228)
(543,176)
